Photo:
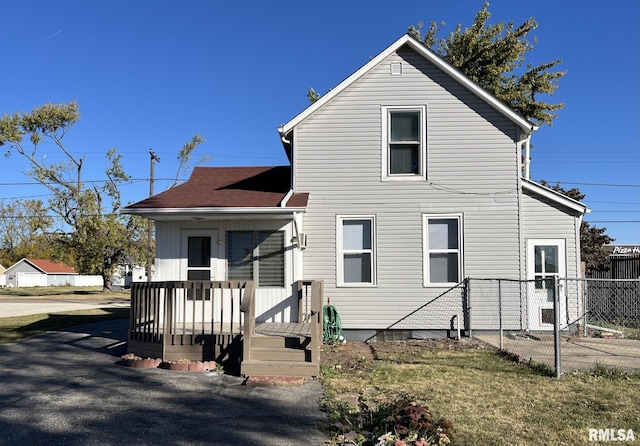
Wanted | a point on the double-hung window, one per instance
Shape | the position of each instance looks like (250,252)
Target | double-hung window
(443,249)
(356,251)
(404,142)
(256,255)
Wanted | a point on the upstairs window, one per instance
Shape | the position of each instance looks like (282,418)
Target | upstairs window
(404,143)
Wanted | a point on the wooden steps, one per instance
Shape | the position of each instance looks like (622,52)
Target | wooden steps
(285,351)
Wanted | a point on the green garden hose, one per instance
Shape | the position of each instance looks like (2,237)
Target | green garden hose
(332,327)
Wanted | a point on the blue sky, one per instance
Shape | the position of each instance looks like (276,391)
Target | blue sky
(150,74)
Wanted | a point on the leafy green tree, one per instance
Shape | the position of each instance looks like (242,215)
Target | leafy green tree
(592,238)
(94,235)
(184,156)
(493,57)
(312,95)
(24,231)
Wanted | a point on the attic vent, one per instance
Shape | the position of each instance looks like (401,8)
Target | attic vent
(396,68)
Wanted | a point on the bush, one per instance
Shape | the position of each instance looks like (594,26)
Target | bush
(401,422)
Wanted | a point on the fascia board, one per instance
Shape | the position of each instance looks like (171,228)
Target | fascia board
(191,212)
(554,196)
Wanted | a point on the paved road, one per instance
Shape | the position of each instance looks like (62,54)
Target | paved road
(64,388)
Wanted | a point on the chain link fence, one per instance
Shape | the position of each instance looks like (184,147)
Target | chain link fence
(608,327)
(612,306)
(444,316)
(562,324)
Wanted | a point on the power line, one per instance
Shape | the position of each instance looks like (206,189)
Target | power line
(614,202)
(593,184)
(615,212)
(614,221)
(129,181)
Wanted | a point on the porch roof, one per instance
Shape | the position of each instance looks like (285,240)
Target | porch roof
(228,191)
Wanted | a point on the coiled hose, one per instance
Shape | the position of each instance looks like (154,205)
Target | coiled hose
(332,327)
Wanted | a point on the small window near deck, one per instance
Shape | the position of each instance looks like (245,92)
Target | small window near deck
(256,255)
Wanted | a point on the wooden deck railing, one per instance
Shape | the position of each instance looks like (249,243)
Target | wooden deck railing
(187,319)
(310,296)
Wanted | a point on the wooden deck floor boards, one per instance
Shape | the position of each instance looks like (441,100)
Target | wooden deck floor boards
(283,329)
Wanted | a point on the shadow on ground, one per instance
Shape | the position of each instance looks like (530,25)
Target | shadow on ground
(64,387)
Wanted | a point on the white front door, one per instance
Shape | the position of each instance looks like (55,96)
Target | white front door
(546,260)
(199,253)
(199,262)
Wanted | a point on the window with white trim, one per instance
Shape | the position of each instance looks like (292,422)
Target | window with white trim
(256,255)
(356,250)
(404,142)
(443,249)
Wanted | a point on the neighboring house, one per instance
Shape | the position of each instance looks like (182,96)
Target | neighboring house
(43,272)
(38,272)
(623,262)
(403,180)
(125,275)
(3,278)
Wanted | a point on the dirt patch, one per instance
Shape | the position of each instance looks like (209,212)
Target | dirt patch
(360,356)
(354,356)
(415,346)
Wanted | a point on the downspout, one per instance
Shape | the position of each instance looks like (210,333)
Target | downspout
(285,200)
(520,161)
(527,157)
(287,142)
(579,219)
(523,171)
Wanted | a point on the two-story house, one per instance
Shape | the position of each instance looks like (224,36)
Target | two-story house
(403,180)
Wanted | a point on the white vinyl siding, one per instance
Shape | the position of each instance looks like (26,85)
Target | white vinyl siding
(472,170)
(356,250)
(256,255)
(272,303)
(443,250)
(545,220)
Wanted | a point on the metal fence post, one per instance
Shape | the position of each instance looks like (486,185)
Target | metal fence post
(500,313)
(468,290)
(556,325)
(585,309)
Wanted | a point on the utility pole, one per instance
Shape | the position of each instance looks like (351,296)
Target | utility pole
(154,157)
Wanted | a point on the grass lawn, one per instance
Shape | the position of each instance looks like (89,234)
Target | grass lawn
(62,292)
(15,328)
(489,399)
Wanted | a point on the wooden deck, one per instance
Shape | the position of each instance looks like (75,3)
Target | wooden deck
(167,322)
